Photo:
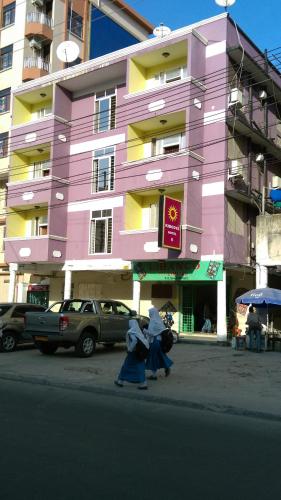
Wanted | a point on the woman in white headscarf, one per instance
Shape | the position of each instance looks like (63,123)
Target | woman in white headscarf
(133,369)
(156,358)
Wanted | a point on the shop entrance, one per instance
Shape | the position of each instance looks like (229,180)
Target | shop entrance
(198,302)
(38,294)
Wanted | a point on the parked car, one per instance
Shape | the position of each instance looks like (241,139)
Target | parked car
(12,324)
(82,324)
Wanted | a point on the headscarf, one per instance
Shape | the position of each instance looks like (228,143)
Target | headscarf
(136,331)
(156,325)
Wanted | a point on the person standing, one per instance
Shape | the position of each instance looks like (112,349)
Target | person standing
(157,359)
(133,369)
(254,329)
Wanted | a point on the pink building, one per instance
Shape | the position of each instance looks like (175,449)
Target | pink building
(192,116)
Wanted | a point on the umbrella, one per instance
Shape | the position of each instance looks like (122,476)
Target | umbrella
(260,296)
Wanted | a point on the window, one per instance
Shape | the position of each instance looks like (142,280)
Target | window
(5,97)
(236,217)
(40,113)
(41,169)
(39,226)
(105,110)
(106,308)
(153,215)
(168,145)
(103,170)
(75,23)
(122,309)
(171,75)
(4,145)
(101,231)
(9,14)
(2,236)
(6,57)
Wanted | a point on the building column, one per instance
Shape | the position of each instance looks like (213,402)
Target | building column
(67,284)
(136,296)
(261,276)
(12,284)
(221,309)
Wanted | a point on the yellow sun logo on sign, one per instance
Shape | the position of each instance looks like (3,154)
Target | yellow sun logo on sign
(172,213)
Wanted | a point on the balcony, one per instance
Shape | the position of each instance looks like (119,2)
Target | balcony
(34,67)
(43,190)
(38,24)
(35,249)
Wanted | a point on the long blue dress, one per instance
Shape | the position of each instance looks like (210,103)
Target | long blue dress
(132,370)
(157,358)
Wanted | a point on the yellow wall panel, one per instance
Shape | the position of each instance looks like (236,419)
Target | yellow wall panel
(137,77)
(133,212)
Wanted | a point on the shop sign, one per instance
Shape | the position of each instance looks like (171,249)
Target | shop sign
(38,288)
(169,234)
(178,271)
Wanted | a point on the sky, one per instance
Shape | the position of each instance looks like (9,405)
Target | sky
(260,19)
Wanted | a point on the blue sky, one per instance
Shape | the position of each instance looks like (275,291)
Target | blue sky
(260,19)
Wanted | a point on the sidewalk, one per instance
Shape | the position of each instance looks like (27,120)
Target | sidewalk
(211,377)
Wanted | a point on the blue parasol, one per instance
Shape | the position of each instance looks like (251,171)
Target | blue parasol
(259,296)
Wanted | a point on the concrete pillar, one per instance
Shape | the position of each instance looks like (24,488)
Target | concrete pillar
(67,284)
(261,276)
(221,309)
(12,284)
(136,296)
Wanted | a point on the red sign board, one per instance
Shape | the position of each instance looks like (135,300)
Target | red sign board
(38,288)
(169,223)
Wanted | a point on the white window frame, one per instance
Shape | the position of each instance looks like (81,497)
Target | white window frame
(110,96)
(39,167)
(103,154)
(170,141)
(108,222)
(166,76)
(42,112)
(37,223)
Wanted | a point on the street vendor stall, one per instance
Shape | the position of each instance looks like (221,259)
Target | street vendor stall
(263,299)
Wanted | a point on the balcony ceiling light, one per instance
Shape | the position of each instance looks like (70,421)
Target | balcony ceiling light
(40,150)
(163,122)
(43,94)
(165,54)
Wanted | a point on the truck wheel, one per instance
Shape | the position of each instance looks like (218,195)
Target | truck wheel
(47,348)
(86,345)
(8,342)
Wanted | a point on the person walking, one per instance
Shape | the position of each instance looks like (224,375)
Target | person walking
(254,329)
(133,368)
(156,359)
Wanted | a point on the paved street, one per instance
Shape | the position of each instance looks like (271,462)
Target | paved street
(203,376)
(74,445)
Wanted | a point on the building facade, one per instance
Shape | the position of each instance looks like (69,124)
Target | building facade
(30,33)
(193,116)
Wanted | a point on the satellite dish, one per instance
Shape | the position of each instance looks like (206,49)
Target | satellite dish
(67,51)
(161,31)
(225,3)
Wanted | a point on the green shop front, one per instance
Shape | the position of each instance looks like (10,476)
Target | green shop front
(189,287)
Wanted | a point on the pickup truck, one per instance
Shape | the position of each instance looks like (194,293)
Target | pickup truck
(81,323)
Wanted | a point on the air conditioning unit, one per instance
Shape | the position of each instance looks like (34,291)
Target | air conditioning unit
(235,169)
(276,182)
(38,3)
(35,44)
(236,97)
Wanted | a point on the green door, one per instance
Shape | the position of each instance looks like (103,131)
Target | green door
(38,297)
(187,323)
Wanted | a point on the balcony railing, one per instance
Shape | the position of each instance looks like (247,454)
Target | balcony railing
(36,62)
(39,17)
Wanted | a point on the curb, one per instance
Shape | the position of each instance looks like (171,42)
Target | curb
(122,393)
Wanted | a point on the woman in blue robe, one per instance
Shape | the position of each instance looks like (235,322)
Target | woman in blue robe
(156,359)
(133,370)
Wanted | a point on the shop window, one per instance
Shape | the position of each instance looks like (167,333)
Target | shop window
(159,291)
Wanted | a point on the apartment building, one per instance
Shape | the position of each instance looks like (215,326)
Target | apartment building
(31,31)
(190,119)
